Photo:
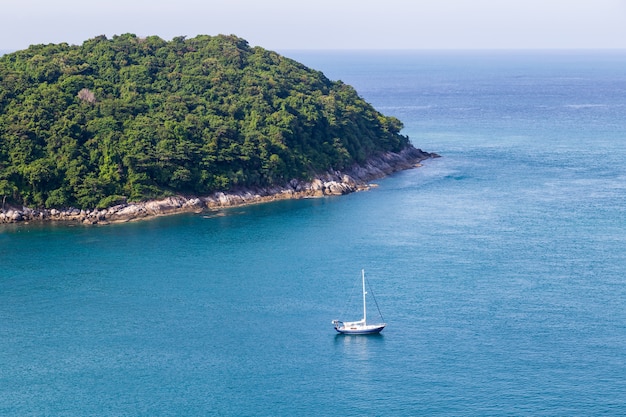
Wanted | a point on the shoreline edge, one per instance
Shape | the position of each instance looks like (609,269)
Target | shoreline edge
(332,183)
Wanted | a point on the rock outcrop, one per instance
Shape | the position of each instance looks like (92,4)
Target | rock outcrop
(332,183)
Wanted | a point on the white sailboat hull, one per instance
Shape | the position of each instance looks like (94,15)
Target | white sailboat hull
(362,329)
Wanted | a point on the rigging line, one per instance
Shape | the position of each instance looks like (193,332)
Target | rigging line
(374,297)
(349,300)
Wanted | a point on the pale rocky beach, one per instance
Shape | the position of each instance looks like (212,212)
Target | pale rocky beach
(332,183)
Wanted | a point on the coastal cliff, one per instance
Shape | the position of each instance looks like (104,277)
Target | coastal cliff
(332,183)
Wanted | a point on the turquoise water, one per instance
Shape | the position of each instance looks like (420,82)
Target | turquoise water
(499,269)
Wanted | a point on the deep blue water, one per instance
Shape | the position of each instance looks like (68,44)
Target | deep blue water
(499,268)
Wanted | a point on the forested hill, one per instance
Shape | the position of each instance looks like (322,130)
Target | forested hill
(132,118)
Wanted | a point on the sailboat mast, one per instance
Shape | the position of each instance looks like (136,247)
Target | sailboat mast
(364,306)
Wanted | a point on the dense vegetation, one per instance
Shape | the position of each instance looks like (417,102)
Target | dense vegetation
(133,118)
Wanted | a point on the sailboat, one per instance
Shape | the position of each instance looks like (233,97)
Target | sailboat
(361,326)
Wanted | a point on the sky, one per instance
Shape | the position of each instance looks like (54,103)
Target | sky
(326,24)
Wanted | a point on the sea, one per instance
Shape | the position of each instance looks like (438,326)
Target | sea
(499,268)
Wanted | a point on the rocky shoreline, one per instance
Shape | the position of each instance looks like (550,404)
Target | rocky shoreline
(329,184)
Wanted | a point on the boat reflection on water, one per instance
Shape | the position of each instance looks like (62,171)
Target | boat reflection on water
(353,348)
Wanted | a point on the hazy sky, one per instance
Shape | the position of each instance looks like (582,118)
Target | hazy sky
(326,24)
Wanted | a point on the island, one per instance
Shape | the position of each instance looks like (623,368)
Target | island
(129,127)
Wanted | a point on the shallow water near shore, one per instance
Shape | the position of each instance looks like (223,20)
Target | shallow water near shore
(499,268)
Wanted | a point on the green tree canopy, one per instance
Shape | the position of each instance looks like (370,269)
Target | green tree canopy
(138,118)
